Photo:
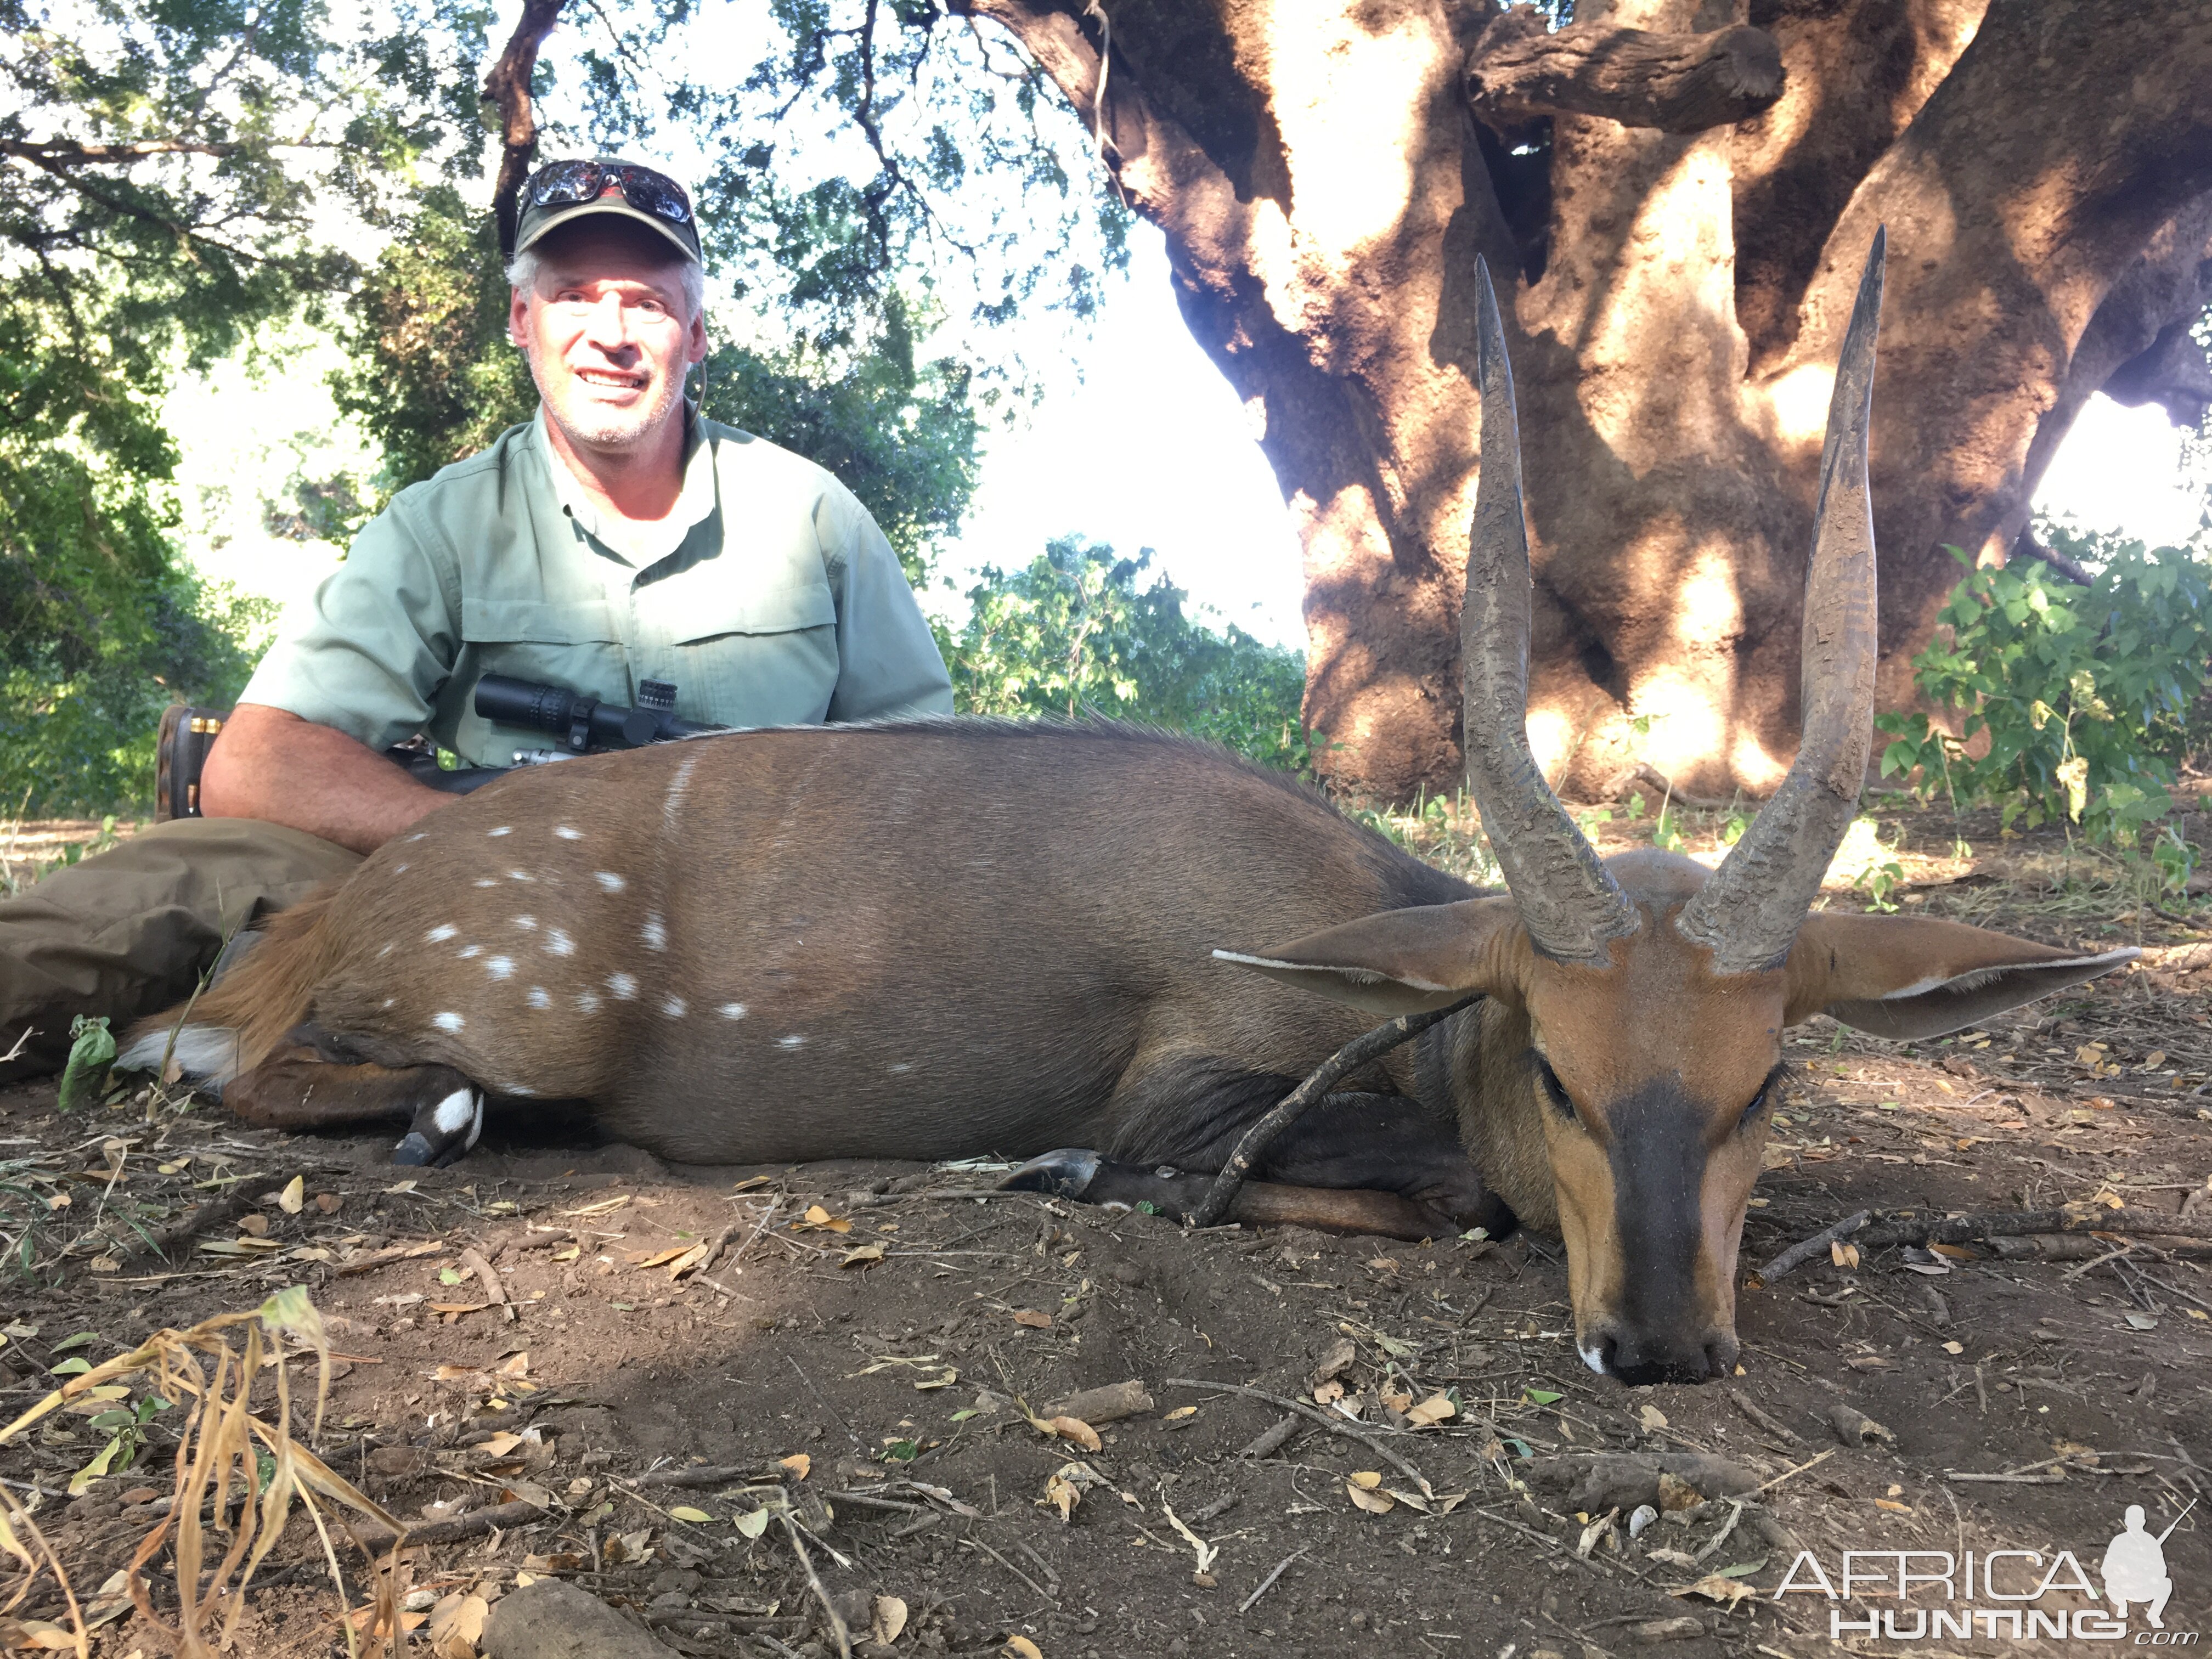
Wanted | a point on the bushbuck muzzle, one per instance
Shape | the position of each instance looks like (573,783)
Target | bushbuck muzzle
(942,938)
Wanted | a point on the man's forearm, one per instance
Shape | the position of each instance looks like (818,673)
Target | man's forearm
(268,763)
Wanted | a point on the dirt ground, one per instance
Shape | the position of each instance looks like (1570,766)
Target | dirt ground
(867,1344)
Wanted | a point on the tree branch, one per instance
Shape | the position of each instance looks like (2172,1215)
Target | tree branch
(2025,546)
(1517,73)
(63,152)
(508,87)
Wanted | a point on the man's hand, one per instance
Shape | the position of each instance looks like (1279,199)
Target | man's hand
(268,763)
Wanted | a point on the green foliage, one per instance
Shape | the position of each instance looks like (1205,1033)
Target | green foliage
(1074,634)
(902,437)
(2078,698)
(433,377)
(164,167)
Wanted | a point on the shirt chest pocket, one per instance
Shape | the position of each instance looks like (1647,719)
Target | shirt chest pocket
(573,644)
(764,658)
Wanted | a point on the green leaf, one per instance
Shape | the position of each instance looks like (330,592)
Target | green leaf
(78,1340)
(91,1052)
(1542,1396)
(75,1367)
(685,1512)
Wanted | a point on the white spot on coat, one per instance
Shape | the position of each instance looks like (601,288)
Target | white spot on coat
(795,1040)
(440,933)
(903,1066)
(525,923)
(610,880)
(388,1001)
(655,932)
(558,944)
(471,950)
(674,798)
(538,997)
(503,830)
(521,875)
(587,1002)
(386,951)
(499,967)
(448,1021)
(624,986)
(486,881)
(672,1006)
(567,834)
(732,1011)
(454,1112)
(398,869)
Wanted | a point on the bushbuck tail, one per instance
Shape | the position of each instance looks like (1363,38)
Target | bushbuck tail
(943,937)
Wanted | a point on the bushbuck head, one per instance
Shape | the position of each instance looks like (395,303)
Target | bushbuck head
(1632,1038)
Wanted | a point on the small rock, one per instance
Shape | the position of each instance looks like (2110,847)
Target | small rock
(1644,1516)
(549,1619)
(392,1461)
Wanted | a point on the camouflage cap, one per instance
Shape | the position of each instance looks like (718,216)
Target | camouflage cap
(561,192)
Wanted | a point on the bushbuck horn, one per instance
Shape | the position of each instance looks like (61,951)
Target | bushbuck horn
(1748,914)
(1567,902)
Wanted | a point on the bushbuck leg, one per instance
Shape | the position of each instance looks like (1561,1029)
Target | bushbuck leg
(301,1087)
(1356,1163)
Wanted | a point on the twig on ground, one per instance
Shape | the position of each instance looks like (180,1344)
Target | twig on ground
(1817,1457)
(1872,1230)
(1268,1583)
(495,1517)
(977,1543)
(1331,1071)
(1271,1441)
(1759,1418)
(837,1630)
(1806,1249)
(488,1276)
(1313,1413)
(213,1214)
(738,1255)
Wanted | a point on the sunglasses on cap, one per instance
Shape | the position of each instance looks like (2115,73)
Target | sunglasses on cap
(561,183)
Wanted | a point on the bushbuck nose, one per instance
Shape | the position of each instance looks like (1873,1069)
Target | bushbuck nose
(1640,1358)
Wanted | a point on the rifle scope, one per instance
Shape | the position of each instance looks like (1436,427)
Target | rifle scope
(580,721)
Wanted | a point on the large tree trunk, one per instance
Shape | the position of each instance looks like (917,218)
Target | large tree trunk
(1674,196)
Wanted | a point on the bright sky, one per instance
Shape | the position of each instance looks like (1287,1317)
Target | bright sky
(1142,444)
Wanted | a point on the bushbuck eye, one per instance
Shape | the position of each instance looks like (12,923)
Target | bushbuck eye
(1554,1090)
(1760,1100)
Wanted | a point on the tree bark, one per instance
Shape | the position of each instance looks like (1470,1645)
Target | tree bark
(1686,224)
(1675,82)
(508,89)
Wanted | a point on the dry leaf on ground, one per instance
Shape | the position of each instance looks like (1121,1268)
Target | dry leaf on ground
(889,1619)
(1364,1489)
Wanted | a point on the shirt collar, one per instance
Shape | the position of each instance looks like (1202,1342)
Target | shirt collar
(640,545)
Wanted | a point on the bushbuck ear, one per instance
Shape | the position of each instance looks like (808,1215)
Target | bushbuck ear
(1914,976)
(1402,962)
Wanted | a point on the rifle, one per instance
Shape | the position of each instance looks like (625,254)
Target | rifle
(579,724)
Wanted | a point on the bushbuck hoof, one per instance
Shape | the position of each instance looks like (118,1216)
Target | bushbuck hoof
(444,1129)
(1066,1173)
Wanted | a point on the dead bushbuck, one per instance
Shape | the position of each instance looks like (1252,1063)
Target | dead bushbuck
(936,938)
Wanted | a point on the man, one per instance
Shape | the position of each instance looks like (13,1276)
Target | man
(616,537)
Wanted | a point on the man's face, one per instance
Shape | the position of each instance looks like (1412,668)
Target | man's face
(605,329)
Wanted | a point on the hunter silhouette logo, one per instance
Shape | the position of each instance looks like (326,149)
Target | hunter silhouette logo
(2135,1567)
(1913,1596)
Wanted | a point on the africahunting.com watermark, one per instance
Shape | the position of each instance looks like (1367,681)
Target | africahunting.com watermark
(1988,1592)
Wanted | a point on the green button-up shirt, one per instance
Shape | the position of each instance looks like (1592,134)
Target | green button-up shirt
(769,598)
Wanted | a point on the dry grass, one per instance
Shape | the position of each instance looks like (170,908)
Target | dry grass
(238,1472)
